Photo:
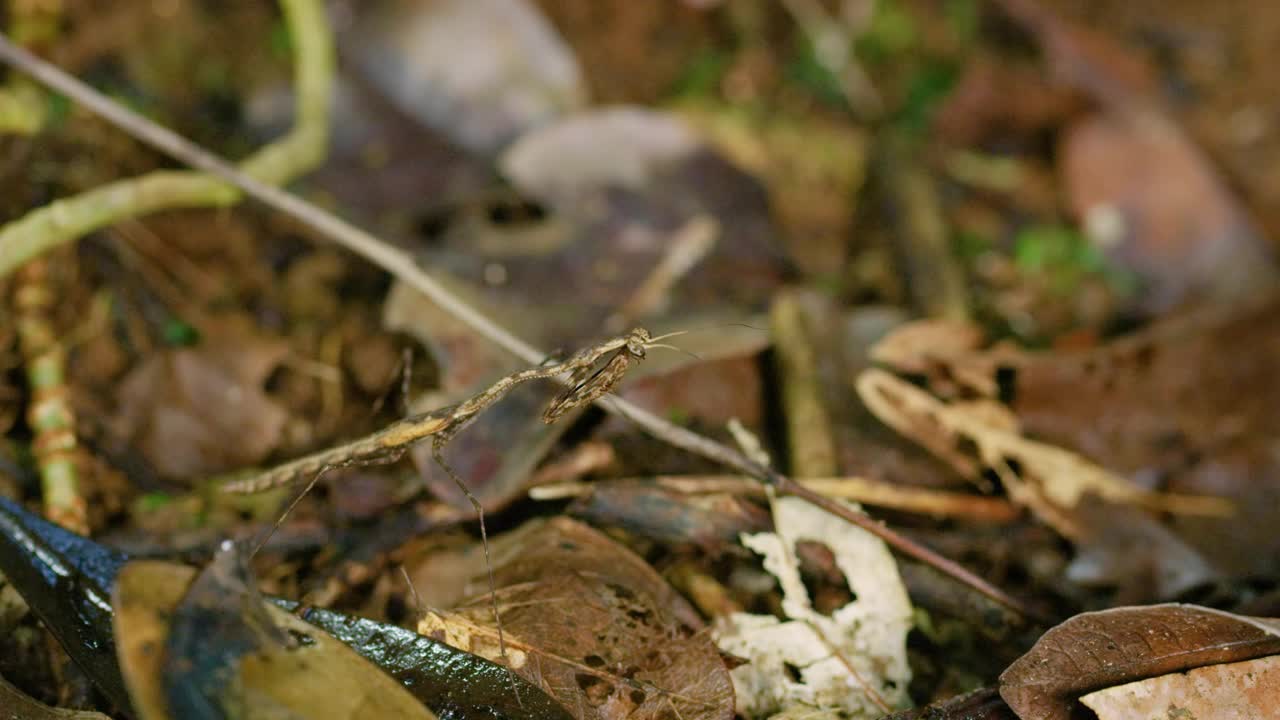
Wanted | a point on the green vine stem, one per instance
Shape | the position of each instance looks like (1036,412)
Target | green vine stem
(49,413)
(298,152)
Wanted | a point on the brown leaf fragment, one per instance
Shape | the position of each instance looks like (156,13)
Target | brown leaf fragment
(1235,691)
(1156,206)
(1097,650)
(201,411)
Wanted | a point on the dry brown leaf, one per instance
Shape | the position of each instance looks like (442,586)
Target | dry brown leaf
(202,411)
(1189,402)
(1236,691)
(593,625)
(1102,649)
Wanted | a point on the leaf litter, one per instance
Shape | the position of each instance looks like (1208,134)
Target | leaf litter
(1152,453)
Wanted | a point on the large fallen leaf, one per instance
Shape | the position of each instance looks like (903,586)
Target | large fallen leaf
(1235,691)
(853,659)
(593,625)
(1101,649)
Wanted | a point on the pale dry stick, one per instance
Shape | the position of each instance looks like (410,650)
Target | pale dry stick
(925,501)
(402,266)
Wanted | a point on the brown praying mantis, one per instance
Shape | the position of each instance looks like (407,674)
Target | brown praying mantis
(589,379)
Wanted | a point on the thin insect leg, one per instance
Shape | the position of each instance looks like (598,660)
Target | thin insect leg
(417,599)
(405,377)
(438,456)
(297,499)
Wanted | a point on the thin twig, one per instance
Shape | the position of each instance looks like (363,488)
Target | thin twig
(925,501)
(400,265)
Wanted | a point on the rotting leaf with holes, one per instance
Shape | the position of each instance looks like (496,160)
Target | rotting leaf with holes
(853,658)
(595,626)
(1047,479)
(1101,649)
